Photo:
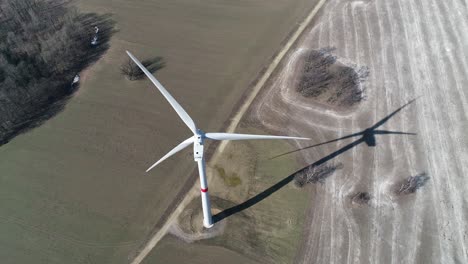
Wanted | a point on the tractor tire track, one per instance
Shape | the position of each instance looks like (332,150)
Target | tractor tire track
(412,48)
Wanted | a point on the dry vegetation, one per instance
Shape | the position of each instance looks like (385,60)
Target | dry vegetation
(44,45)
(315,174)
(412,184)
(327,79)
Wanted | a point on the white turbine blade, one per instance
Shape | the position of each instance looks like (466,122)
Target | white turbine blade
(178,148)
(177,107)
(232,136)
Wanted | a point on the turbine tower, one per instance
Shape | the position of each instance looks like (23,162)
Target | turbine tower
(197,140)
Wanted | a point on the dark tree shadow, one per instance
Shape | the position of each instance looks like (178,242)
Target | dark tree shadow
(133,72)
(64,90)
(154,64)
(366,136)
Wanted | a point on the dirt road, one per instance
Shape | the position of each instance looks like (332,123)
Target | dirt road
(231,128)
(414,49)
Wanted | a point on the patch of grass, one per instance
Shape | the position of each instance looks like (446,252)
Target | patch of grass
(268,230)
(221,171)
(232,180)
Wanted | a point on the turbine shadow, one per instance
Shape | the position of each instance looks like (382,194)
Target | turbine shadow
(367,136)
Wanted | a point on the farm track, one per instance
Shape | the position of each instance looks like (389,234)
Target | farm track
(414,49)
(234,121)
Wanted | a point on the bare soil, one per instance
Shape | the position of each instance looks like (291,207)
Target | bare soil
(414,50)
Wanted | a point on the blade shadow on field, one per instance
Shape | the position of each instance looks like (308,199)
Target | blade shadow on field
(366,136)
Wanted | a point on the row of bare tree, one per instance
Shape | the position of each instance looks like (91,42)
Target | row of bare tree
(44,44)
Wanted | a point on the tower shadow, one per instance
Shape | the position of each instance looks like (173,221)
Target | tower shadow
(367,136)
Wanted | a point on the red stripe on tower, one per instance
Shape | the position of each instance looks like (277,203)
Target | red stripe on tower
(204,190)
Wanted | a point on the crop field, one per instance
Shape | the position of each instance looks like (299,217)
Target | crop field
(74,189)
(410,129)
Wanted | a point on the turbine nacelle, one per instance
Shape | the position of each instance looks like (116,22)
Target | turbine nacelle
(200,136)
(198,147)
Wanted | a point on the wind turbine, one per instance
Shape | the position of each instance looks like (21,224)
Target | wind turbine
(197,140)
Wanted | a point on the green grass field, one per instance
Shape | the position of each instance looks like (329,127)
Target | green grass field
(173,250)
(269,231)
(74,190)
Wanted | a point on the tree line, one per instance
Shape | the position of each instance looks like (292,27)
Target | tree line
(43,45)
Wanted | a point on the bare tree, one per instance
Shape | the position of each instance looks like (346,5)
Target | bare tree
(315,174)
(412,184)
(323,75)
(130,70)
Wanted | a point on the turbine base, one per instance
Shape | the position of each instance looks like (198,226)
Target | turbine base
(208,225)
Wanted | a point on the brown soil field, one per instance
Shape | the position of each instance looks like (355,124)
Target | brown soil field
(416,53)
(74,190)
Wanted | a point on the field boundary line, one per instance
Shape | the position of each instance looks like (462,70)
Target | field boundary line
(271,68)
(231,128)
